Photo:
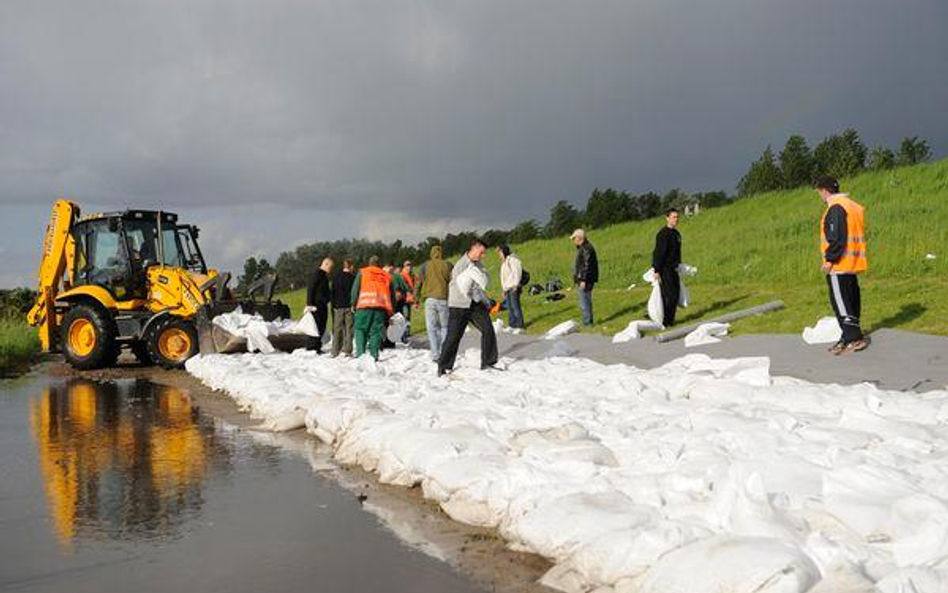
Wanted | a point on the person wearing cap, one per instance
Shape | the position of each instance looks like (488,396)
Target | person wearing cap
(585,273)
(843,244)
(511,282)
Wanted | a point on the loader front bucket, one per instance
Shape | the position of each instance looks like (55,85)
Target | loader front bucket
(213,339)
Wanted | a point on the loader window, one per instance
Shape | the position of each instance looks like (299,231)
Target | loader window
(103,258)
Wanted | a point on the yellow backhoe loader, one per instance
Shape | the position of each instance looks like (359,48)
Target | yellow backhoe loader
(135,279)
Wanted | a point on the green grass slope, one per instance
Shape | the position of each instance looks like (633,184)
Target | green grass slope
(764,248)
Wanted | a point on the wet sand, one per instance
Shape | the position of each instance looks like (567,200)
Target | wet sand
(141,479)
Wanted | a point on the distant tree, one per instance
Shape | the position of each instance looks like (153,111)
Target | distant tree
(564,218)
(606,207)
(525,231)
(711,199)
(249,275)
(881,158)
(914,150)
(764,175)
(675,198)
(841,155)
(796,163)
(647,205)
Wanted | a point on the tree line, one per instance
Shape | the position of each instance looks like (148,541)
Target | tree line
(796,165)
(839,155)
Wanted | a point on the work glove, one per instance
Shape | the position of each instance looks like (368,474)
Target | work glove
(309,309)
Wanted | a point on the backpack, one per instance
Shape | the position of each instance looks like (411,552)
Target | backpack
(524,278)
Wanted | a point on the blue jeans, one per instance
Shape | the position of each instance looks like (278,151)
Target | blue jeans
(514,311)
(436,320)
(586,304)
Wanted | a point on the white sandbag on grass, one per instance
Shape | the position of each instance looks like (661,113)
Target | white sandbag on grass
(826,331)
(558,331)
(656,308)
(634,330)
(707,333)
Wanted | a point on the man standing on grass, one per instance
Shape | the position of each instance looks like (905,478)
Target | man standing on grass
(585,273)
(342,315)
(665,260)
(511,282)
(468,303)
(373,296)
(843,243)
(318,297)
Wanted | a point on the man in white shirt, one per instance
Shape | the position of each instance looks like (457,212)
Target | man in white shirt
(511,282)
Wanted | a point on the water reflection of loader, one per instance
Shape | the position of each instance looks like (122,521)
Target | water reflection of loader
(121,460)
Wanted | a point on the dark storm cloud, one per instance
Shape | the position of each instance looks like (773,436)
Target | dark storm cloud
(481,112)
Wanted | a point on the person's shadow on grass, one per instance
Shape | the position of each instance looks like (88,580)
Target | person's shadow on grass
(906,314)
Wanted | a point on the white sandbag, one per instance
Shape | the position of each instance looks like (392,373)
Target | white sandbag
(567,327)
(307,325)
(634,330)
(396,327)
(739,564)
(826,331)
(656,309)
(706,333)
(687,270)
(684,298)
(472,281)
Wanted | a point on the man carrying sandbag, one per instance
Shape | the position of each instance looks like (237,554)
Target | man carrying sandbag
(665,260)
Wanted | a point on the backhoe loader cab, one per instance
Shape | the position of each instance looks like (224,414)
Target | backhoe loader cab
(134,279)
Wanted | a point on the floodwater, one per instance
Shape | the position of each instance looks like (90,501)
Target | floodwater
(126,485)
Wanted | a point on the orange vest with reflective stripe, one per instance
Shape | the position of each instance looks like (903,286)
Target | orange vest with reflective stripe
(854,259)
(410,297)
(375,289)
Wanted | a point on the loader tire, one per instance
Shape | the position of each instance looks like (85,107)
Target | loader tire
(171,342)
(140,350)
(87,335)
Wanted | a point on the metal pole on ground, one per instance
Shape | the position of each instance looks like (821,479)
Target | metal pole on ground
(680,332)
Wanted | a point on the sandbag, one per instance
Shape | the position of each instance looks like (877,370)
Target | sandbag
(307,325)
(396,327)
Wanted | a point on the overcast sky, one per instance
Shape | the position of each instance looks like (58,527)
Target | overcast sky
(271,123)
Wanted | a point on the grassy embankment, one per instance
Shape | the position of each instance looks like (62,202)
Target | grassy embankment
(764,248)
(19,345)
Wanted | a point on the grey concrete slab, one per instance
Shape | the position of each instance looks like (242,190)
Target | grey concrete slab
(896,360)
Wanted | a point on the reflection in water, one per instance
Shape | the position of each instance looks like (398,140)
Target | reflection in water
(123,459)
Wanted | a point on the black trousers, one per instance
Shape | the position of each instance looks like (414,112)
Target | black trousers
(847,304)
(671,291)
(321,315)
(458,318)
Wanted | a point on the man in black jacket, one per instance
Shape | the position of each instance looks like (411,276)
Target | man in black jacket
(843,243)
(318,297)
(585,273)
(343,317)
(665,260)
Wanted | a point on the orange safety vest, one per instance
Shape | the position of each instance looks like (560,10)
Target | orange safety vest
(375,289)
(410,297)
(854,259)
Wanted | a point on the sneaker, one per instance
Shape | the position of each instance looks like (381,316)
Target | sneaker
(491,367)
(837,347)
(855,346)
